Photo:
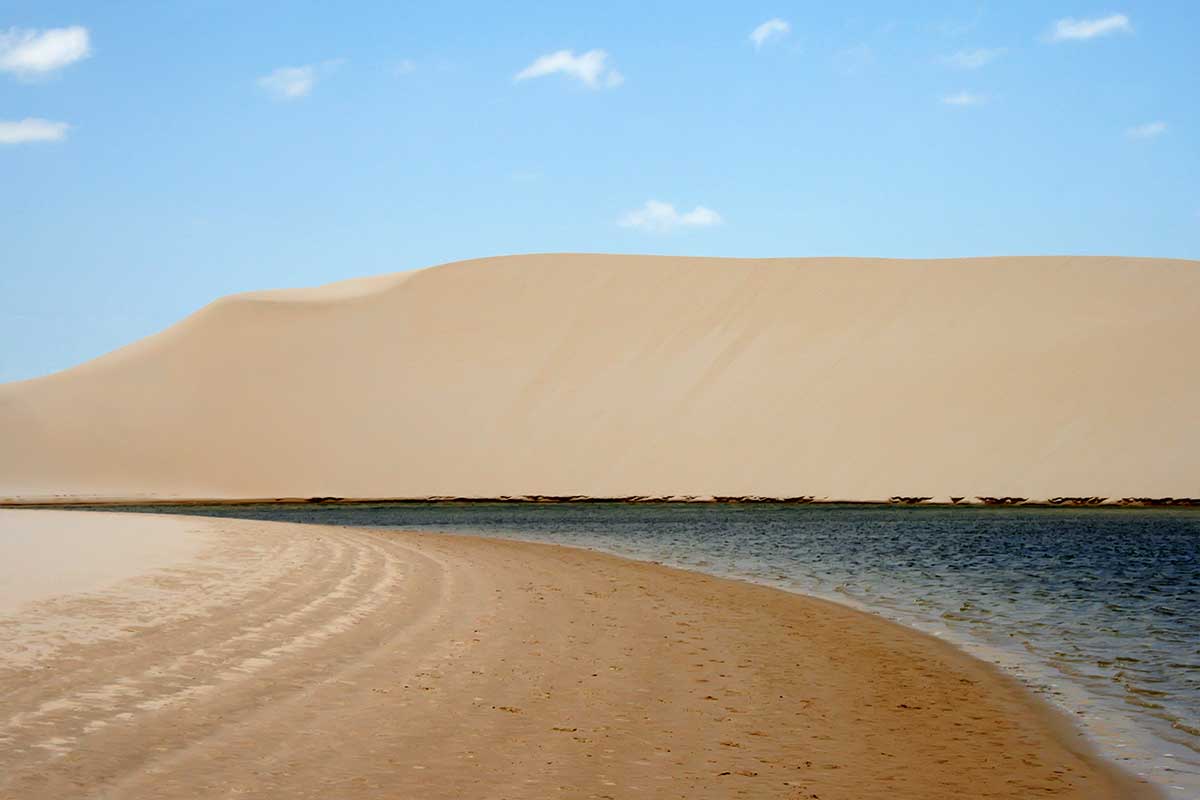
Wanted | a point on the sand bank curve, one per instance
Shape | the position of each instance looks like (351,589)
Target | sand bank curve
(308,661)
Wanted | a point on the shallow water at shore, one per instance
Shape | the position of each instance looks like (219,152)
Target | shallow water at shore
(1097,609)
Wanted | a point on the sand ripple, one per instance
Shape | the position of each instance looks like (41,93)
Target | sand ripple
(304,661)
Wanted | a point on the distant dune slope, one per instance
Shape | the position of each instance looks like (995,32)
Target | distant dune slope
(629,375)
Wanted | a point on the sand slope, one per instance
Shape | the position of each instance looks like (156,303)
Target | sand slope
(304,661)
(628,375)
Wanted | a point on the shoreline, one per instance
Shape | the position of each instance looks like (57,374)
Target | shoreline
(527,621)
(1108,730)
(973,502)
(1050,688)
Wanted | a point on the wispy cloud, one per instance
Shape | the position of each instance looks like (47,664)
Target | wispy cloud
(973,59)
(289,83)
(774,28)
(590,68)
(1074,29)
(1149,130)
(28,53)
(658,217)
(964,98)
(404,67)
(292,83)
(32,129)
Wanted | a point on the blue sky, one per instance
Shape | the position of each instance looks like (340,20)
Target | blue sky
(154,156)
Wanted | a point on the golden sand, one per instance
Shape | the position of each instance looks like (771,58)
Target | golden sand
(305,661)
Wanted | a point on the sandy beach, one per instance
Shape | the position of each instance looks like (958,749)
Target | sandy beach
(599,401)
(44,557)
(277,660)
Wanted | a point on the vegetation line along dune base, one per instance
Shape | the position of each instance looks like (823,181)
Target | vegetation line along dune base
(928,502)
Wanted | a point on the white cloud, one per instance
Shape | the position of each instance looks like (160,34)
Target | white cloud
(974,59)
(32,129)
(29,52)
(963,99)
(590,68)
(771,29)
(659,217)
(1070,28)
(292,83)
(405,67)
(289,83)
(1150,130)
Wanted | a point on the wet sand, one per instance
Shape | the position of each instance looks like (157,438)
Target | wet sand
(43,557)
(301,661)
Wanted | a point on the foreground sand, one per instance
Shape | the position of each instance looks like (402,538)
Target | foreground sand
(42,557)
(303,661)
(612,376)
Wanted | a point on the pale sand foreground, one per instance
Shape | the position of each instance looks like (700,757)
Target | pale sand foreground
(43,557)
(304,661)
(612,376)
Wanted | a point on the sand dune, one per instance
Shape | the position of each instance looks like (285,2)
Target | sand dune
(611,376)
(305,661)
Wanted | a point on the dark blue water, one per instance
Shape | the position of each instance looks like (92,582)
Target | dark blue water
(1097,609)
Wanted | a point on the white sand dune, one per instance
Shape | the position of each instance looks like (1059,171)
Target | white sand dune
(612,376)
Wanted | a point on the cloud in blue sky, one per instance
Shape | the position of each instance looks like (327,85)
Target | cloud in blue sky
(963,99)
(1075,29)
(289,83)
(32,129)
(30,53)
(973,59)
(775,28)
(1149,130)
(590,68)
(659,217)
(293,83)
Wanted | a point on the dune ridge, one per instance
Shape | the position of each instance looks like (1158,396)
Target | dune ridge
(1037,379)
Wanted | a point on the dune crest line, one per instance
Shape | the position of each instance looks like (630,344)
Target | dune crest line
(1059,380)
